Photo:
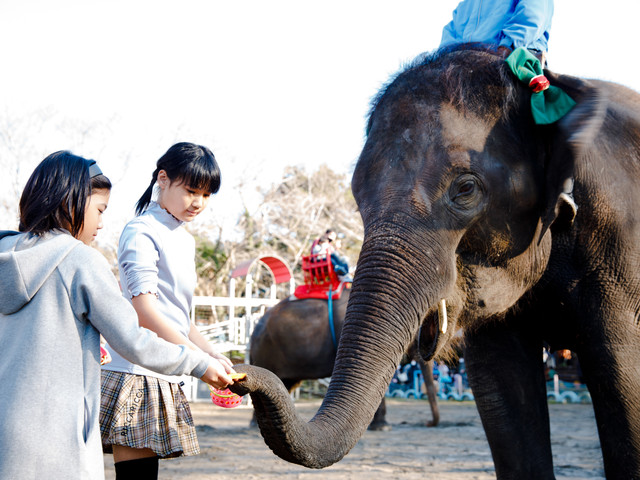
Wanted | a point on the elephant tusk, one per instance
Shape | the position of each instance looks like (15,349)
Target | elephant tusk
(442,315)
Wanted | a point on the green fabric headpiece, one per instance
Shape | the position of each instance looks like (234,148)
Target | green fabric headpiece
(548,104)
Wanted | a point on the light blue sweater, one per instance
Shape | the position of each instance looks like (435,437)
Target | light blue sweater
(57,296)
(507,23)
(157,255)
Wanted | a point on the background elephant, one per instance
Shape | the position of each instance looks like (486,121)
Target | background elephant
(461,196)
(293,340)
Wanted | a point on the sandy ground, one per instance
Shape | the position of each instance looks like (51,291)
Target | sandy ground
(456,449)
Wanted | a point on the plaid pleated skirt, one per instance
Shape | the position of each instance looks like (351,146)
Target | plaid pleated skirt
(146,412)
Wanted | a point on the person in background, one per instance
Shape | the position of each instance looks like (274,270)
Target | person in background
(57,296)
(321,246)
(146,416)
(329,244)
(507,24)
(340,262)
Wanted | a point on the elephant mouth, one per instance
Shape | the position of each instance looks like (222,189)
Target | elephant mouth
(433,327)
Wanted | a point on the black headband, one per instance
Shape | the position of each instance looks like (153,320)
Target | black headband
(94,169)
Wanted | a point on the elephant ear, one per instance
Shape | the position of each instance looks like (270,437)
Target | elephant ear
(573,136)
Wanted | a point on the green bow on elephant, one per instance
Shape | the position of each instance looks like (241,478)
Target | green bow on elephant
(548,104)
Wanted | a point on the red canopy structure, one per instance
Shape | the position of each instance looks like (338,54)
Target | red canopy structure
(278,268)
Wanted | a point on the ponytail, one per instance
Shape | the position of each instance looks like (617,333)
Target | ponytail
(145,199)
(195,165)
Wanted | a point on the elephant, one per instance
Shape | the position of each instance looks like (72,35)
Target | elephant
(293,339)
(467,213)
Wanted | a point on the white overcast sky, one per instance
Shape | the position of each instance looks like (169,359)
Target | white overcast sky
(264,84)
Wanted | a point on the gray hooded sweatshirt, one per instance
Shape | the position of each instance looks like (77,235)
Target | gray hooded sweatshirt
(57,296)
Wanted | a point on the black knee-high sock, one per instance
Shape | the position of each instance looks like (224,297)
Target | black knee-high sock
(138,469)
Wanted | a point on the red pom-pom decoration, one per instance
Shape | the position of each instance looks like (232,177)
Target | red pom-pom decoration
(539,83)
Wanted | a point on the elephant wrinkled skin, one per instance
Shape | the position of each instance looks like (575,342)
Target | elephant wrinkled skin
(461,198)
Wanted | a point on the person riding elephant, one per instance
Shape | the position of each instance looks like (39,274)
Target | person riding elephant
(329,244)
(507,24)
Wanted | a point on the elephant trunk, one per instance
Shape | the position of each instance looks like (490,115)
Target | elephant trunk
(388,301)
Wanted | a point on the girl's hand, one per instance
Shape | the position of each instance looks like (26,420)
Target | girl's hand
(217,375)
(228,366)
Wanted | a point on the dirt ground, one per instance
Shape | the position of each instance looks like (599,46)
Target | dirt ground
(455,450)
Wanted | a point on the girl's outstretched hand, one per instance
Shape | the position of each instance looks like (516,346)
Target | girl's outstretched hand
(217,375)
(228,366)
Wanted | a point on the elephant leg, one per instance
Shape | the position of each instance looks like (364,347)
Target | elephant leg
(506,375)
(611,368)
(432,390)
(379,422)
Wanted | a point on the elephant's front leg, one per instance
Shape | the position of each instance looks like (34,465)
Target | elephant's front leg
(379,422)
(507,378)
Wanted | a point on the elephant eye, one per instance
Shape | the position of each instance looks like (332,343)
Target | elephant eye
(465,191)
(466,188)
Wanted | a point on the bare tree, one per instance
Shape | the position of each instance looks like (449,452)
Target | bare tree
(19,154)
(292,214)
(303,206)
(27,138)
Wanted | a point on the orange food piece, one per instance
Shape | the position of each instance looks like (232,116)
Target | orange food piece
(238,376)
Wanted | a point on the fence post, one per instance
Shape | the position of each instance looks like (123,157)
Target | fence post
(232,296)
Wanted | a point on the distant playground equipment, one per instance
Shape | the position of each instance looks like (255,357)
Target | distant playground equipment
(567,392)
(233,332)
(409,383)
(456,387)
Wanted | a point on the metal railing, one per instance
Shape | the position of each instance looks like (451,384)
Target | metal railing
(231,334)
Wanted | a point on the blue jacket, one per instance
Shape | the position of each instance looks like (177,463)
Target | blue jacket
(507,23)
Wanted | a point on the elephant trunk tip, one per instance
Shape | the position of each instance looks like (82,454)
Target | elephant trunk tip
(311,444)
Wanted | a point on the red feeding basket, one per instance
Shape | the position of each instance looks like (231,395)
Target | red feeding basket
(226,398)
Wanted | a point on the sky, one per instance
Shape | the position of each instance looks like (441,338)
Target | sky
(264,84)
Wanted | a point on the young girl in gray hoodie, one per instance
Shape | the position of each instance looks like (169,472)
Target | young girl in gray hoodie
(57,295)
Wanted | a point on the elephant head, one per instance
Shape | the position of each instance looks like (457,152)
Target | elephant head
(459,193)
